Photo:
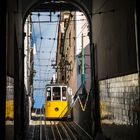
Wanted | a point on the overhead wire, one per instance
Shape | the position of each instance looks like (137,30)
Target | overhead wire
(41,37)
(58,15)
(101,6)
(45,21)
(38,48)
(55,35)
(67,38)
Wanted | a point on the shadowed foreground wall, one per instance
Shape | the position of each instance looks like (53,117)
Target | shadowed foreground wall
(114,37)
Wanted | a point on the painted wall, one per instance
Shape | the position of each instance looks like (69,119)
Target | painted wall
(82,112)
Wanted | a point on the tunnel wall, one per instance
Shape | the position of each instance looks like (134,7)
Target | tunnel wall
(10,41)
(116,67)
(83,118)
(114,37)
(14,57)
(16,11)
(85,5)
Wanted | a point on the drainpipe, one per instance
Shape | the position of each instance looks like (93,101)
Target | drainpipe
(137,39)
(95,93)
(137,30)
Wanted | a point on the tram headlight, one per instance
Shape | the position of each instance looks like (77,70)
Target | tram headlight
(56,109)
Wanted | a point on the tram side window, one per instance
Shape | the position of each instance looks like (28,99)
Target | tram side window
(48,93)
(56,93)
(64,93)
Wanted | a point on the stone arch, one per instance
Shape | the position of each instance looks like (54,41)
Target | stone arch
(85,7)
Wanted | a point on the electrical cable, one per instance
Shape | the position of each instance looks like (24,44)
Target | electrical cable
(45,21)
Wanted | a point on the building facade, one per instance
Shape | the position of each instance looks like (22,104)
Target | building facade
(28,68)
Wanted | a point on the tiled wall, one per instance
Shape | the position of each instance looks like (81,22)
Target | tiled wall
(119,99)
(10,88)
(9,98)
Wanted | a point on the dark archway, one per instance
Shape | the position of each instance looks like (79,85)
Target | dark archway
(82,7)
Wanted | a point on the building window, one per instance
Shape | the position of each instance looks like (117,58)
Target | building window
(56,93)
(70,39)
(74,52)
(79,69)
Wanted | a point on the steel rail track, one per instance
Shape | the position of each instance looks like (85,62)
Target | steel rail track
(65,131)
(59,132)
(56,130)
(71,133)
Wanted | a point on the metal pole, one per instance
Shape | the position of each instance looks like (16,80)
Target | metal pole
(136,38)
(65,71)
(83,63)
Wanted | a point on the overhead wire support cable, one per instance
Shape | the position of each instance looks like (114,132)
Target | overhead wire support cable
(66,37)
(52,15)
(46,21)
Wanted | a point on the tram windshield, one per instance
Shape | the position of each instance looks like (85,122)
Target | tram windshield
(56,93)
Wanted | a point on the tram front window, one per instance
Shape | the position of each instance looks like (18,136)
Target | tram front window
(56,93)
(48,90)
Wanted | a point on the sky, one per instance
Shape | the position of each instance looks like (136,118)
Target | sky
(44,35)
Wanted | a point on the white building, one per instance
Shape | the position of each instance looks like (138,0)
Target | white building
(28,66)
(82,41)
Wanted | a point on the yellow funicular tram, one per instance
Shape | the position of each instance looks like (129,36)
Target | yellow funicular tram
(56,101)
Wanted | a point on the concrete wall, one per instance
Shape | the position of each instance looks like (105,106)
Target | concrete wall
(84,117)
(10,42)
(114,37)
(116,67)
(86,4)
